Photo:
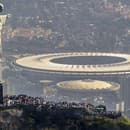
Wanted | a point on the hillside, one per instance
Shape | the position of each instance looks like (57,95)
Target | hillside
(32,118)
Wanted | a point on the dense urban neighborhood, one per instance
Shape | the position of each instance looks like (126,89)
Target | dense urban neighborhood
(64,64)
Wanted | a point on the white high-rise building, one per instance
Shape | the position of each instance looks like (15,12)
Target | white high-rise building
(3,18)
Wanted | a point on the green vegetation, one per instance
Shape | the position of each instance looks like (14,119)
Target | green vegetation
(30,118)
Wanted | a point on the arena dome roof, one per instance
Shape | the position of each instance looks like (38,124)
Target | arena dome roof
(88,85)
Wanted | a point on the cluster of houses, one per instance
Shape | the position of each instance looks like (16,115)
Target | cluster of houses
(40,102)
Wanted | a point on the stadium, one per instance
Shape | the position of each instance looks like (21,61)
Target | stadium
(111,67)
(72,63)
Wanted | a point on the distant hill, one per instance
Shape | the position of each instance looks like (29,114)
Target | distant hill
(81,25)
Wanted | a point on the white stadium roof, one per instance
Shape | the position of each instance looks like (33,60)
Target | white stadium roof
(45,63)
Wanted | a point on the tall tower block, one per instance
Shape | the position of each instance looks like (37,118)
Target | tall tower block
(3,18)
(2,22)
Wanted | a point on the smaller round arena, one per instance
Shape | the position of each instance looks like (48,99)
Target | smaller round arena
(94,91)
(88,85)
